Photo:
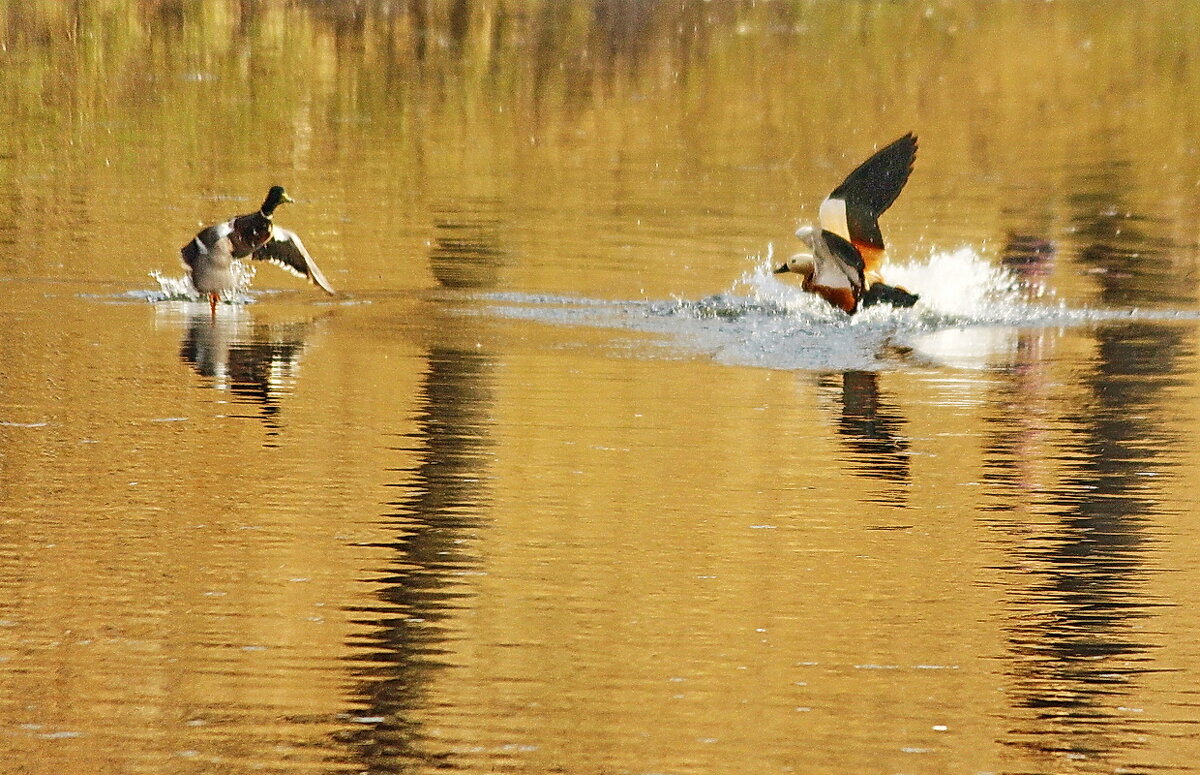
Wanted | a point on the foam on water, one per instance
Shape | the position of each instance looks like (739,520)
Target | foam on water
(969,312)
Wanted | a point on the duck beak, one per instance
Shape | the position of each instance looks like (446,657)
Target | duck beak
(782,268)
(286,198)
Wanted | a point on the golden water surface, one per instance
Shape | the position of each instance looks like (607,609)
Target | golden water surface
(404,529)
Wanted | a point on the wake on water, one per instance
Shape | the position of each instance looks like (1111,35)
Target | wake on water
(968,310)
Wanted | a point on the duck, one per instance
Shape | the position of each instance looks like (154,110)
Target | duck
(846,249)
(209,257)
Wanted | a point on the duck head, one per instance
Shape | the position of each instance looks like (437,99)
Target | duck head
(801,263)
(275,197)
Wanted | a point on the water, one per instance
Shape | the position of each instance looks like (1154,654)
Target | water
(969,315)
(564,479)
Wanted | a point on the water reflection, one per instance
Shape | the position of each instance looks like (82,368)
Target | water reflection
(1082,545)
(444,501)
(467,251)
(1030,258)
(663,142)
(1130,266)
(871,429)
(1075,634)
(255,361)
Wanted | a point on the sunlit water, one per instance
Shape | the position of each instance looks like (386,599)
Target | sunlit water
(565,479)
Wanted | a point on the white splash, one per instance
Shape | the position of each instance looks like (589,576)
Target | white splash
(969,313)
(955,287)
(762,285)
(181,288)
(959,282)
(174,288)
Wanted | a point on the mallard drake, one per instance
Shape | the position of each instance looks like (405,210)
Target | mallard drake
(847,251)
(209,256)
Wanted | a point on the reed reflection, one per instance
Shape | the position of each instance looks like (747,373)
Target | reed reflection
(1083,522)
(255,361)
(467,250)
(1120,247)
(1074,634)
(444,502)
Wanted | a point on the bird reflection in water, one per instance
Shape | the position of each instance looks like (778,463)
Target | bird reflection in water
(872,433)
(255,361)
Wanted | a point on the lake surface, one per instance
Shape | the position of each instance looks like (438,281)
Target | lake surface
(564,479)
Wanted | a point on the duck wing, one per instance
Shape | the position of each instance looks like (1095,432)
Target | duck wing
(838,271)
(211,245)
(852,209)
(285,250)
(838,263)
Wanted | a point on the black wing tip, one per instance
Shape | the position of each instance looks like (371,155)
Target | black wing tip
(874,185)
(905,145)
(911,142)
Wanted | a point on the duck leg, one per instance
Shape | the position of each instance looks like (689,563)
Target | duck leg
(212,304)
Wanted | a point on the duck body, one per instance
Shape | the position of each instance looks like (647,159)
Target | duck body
(847,250)
(833,270)
(211,254)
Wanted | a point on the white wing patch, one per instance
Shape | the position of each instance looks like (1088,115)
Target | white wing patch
(828,269)
(833,218)
(832,274)
(286,266)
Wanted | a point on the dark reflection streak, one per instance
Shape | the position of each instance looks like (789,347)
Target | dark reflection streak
(444,501)
(872,432)
(1082,587)
(1074,644)
(1129,263)
(466,251)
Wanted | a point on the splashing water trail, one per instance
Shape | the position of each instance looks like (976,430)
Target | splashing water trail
(961,284)
(967,315)
(958,286)
(174,288)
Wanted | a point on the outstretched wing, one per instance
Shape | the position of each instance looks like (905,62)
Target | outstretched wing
(852,210)
(285,250)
